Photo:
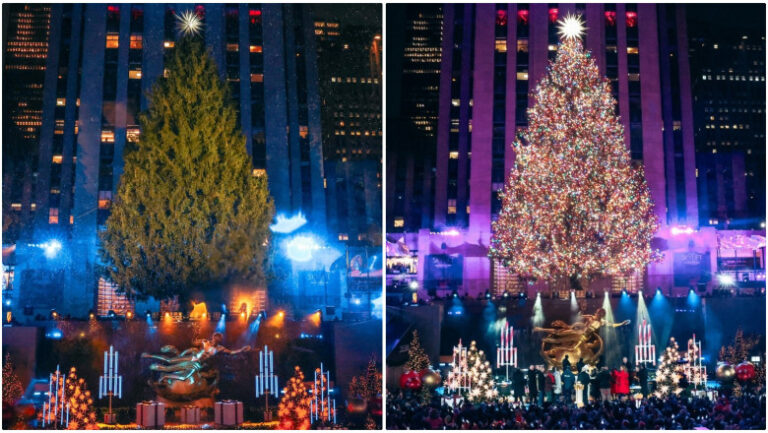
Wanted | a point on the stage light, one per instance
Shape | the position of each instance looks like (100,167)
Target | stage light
(91,315)
(300,248)
(7,302)
(54,314)
(51,248)
(281,314)
(680,230)
(242,315)
(413,285)
(129,315)
(506,294)
(726,280)
(287,225)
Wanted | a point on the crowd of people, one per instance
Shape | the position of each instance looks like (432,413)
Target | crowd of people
(406,410)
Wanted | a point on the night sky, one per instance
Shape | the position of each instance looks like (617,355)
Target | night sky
(349,14)
(726,19)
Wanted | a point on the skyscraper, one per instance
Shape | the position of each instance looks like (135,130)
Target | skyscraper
(728,79)
(101,62)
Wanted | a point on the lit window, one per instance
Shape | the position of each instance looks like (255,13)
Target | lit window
(112,40)
(501,45)
(343,237)
(134,74)
(455,102)
(16,206)
(107,136)
(233,47)
(56,159)
(259,172)
(61,102)
(136,42)
(454,154)
(255,48)
(452,206)
(522,45)
(105,199)
(132,135)
(303,131)
(552,47)
(168,44)
(53,215)
(522,75)
(632,50)
(676,125)
(257,78)
(399,222)
(633,76)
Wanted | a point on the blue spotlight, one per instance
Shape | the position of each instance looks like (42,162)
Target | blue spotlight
(51,248)
(53,334)
(693,298)
(221,326)
(301,247)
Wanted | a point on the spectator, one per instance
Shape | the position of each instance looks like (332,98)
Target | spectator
(533,391)
(541,384)
(557,387)
(642,377)
(549,383)
(584,380)
(604,379)
(566,363)
(569,380)
(518,382)
(621,382)
(579,365)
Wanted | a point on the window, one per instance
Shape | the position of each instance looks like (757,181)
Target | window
(105,199)
(501,45)
(522,75)
(452,206)
(343,236)
(107,136)
(57,159)
(454,154)
(522,45)
(132,135)
(632,50)
(233,47)
(112,40)
(136,42)
(255,48)
(134,74)
(168,44)
(257,78)
(61,102)
(53,215)
(399,222)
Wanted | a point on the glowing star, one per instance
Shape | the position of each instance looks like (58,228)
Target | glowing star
(189,23)
(571,27)
(288,224)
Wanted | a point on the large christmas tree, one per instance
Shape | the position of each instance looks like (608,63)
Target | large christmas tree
(670,372)
(189,212)
(573,206)
(482,386)
(293,410)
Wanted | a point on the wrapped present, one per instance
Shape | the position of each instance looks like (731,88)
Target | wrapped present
(190,415)
(228,412)
(150,414)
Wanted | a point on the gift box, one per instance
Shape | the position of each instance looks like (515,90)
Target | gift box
(190,415)
(150,414)
(228,413)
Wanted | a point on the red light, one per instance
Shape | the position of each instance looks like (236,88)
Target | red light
(610,18)
(522,16)
(254,12)
(553,14)
(113,9)
(501,18)
(631,19)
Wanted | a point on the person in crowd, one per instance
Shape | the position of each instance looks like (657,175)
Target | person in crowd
(518,383)
(580,365)
(569,380)
(604,380)
(533,390)
(621,382)
(583,379)
(594,385)
(549,383)
(642,379)
(566,363)
(626,363)
(541,384)
(557,388)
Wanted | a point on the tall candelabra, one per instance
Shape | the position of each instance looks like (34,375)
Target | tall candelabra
(322,407)
(506,353)
(695,370)
(110,383)
(56,409)
(266,381)
(459,379)
(645,351)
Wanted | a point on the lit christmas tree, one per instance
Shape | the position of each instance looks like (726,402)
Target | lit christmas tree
(12,389)
(573,206)
(417,357)
(669,372)
(480,375)
(293,410)
(81,414)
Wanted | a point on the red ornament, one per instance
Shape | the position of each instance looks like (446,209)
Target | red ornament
(357,405)
(745,371)
(410,380)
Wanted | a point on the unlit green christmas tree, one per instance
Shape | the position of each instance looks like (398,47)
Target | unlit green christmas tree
(482,385)
(189,213)
(574,206)
(669,373)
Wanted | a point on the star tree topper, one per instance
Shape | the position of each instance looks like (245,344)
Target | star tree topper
(571,27)
(189,23)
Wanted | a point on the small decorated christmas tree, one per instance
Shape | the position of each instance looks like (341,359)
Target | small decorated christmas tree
(373,379)
(669,372)
(481,376)
(293,410)
(12,389)
(417,357)
(81,414)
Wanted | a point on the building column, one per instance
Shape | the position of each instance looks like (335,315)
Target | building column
(444,118)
